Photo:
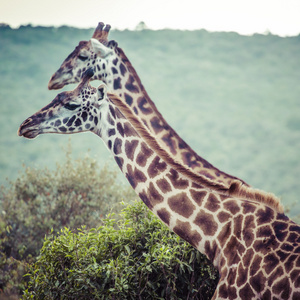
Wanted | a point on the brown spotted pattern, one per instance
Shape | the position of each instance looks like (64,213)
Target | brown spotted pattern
(255,248)
(113,67)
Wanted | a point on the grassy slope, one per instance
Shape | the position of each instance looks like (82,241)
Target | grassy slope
(234,99)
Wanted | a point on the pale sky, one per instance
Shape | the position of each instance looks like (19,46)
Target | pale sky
(280,17)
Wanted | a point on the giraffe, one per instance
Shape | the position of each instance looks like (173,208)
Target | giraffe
(111,65)
(254,246)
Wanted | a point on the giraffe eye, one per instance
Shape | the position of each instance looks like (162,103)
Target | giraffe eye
(82,57)
(70,106)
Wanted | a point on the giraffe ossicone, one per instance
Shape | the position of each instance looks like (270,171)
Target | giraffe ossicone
(111,65)
(101,32)
(255,248)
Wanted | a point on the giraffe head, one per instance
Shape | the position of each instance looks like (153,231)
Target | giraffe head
(70,112)
(97,53)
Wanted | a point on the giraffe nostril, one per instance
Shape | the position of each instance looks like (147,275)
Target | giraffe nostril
(26,122)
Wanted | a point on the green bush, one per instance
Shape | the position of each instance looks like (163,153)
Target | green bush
(136,257)
(76,193)
(129,257)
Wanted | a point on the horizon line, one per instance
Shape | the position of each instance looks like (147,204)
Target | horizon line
(142,26)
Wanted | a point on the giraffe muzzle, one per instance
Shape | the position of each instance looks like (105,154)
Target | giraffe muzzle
(59,80)
(29,134)
(29,130)
(55,84)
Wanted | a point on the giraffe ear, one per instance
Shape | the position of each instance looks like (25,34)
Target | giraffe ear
(100,49)
(102,91)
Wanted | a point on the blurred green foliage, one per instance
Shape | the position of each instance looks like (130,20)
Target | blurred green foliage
(130,255)
(134,258)
(40,201)
(233,98)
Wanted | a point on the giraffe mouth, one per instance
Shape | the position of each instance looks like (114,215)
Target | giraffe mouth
(28,132)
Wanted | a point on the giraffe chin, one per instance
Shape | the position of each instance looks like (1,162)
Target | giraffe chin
(29,134)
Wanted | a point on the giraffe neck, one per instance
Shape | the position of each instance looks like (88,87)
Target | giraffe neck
(190,206)
(246,241)
(127,84)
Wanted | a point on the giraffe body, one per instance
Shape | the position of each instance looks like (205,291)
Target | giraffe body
(111,65)
(254,246)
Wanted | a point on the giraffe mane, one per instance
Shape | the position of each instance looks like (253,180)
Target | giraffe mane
(236,188)
(132,70)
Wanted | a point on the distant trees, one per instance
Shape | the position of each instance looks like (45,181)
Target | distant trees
(141,26)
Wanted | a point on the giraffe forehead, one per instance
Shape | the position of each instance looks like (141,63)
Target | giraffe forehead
(57,101)
(63,98)
(83,45)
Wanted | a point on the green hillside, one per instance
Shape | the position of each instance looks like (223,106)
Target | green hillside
(234,99)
